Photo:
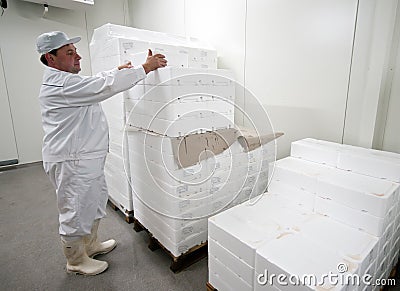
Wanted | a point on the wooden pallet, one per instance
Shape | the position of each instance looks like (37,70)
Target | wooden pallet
(128,215)
(178,264)
(210,287)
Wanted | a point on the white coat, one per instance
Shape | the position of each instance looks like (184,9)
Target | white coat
(75,141)
(74,124)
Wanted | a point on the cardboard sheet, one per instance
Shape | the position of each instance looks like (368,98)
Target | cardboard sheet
(190,149)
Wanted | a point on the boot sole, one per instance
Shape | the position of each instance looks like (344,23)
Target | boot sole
(77,272)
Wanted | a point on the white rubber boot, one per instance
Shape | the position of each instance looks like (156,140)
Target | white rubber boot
(78,260)
(93,247)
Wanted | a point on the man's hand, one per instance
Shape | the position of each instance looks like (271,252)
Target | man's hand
(125,66)
(154,62)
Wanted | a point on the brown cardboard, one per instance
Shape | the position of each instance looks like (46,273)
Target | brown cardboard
(250,140)
(191,149)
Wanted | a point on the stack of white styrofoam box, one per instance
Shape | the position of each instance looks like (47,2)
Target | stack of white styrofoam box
(190,194)
(235,234)
(337,234)
(248,240)
(281,261)
(375,163)
(181,101)
(132,45)
(380,167)
(356,246)
(361,201)
(113,45)
(117,162)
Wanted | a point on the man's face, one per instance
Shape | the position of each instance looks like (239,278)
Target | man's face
(67,59)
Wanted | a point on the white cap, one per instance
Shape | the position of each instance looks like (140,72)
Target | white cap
(53,40)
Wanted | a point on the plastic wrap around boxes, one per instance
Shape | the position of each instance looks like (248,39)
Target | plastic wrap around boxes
(173,202)
(188,98)
(315,219)
(113,45)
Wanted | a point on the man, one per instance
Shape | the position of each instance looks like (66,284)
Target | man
(75,143)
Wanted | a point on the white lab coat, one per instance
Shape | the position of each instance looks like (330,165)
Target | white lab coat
(75,141)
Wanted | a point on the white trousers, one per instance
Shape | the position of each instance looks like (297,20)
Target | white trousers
(81,194)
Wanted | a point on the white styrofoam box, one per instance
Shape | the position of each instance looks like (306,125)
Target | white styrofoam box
(194,47)
(299,173)
(318,151)
(119,190)
(194,182)
(231,261)
(104,63)
(132,96)
(116,147)
(136,52)
(380,164)
(168,204)
(114,105)
(216,280)
(375,196)
(183,126)
(189,227)
(243,228)
(176,248)
(158,165)
(174,223)
(174,76)
(298,196)
(120,199)
(371,224)
(174,235)
(294,254)
(369,162)
(177,109)
(354,245)
(184,201)
(230,280)
(187,93)
(191,175)
(202,58)
(177,56)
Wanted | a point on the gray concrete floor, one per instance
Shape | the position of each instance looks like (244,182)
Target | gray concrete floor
(31,256)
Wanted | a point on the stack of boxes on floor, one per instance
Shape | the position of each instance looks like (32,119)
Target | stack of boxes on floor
(330,209)
(188,100)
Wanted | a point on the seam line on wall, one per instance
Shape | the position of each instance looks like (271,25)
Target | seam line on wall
(349,76)
(9,104)
(244,62)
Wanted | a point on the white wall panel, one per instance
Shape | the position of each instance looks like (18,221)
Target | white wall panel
(20,25)
(391,138)
(158,15)
(298,57)
(223,24)
(368,97)
(8,147)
